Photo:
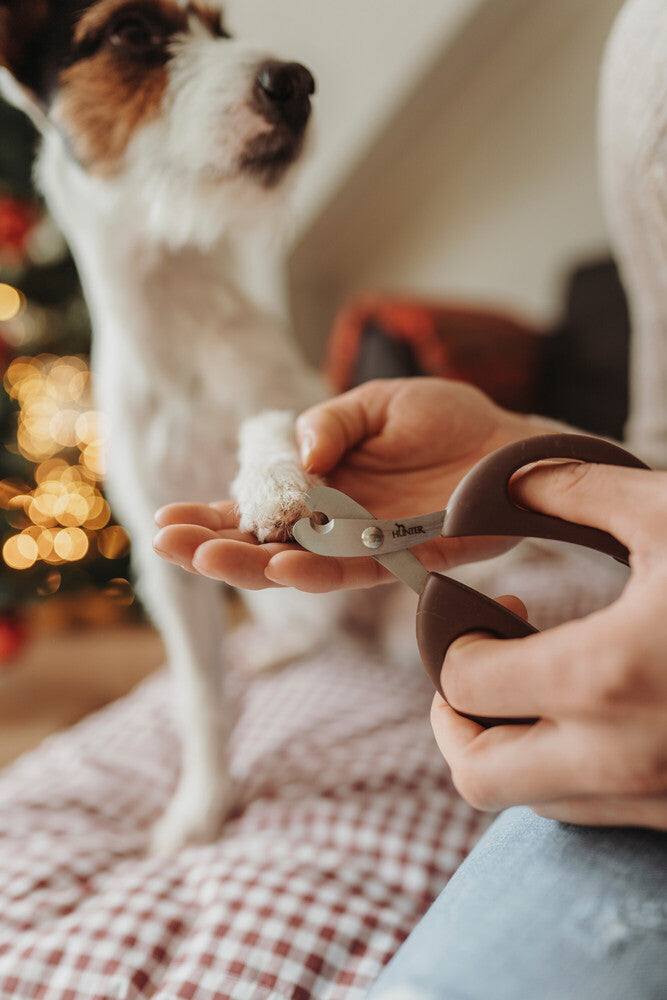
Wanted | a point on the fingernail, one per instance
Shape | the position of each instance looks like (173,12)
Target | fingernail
(157,543)
(306,449)
(196,564)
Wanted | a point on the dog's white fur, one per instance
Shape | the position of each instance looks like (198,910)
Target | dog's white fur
(181,359)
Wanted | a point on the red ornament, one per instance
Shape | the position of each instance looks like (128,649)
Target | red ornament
(12,638)
(17,218)
(5,354)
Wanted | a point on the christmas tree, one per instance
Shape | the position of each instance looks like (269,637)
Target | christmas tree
(56,529)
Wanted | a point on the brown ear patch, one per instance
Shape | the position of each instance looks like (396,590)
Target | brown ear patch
(103,101)
(209,17)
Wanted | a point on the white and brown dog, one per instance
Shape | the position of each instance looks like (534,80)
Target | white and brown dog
(163,138)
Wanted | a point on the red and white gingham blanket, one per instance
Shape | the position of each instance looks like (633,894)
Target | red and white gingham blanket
(348,827)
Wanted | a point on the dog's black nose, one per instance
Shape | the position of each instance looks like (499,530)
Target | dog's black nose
(283,93)
(283,82)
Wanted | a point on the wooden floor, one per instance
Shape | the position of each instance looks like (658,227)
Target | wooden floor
(57,679)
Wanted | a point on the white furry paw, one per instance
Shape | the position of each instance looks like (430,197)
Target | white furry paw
(270,503)
(195,815)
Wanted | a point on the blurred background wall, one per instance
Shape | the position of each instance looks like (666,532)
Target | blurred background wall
(455,151)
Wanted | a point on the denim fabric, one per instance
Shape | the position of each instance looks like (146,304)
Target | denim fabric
(543,911)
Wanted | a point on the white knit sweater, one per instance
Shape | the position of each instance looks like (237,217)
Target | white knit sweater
(633,159)
(560,582)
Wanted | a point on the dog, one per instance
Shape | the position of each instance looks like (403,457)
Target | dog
(163,139)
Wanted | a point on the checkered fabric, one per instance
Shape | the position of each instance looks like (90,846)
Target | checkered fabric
(347,829)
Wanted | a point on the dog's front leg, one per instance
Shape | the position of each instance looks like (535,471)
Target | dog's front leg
(270,489)
(271,484)
(187,611)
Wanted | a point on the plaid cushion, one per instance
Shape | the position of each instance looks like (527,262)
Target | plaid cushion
(347,828)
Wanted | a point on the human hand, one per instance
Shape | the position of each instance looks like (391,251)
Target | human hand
(598,754)
(398,446)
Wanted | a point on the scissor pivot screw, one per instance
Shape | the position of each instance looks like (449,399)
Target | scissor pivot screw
(372,538)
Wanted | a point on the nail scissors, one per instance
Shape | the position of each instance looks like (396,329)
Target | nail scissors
(480,506)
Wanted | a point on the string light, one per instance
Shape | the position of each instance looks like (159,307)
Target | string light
(11,303)
(20,551)
(59,430)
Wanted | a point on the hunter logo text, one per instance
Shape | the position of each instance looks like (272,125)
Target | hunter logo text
(402,532)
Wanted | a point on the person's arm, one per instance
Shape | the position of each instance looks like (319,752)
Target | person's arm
(598,755)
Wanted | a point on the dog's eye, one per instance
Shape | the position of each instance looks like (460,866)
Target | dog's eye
(133,34)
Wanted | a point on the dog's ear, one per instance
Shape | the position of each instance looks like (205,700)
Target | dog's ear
(23,36)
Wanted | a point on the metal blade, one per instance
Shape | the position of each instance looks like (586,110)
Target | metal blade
(360,536)
(406,567)
(322,538)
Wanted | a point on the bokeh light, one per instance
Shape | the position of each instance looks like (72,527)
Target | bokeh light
(121,591)
(58,519)
(11,303)
(20,551)
(113,542)
(70,544)
(50,584)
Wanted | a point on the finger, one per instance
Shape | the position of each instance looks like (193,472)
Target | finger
(509,601)
(228,511)
(539,675)
(614,499)
(190,513)
(513,604)
(509,765)
(178,543)
(626,810)
(453,732)
(320,574)
(239,564)
(457,737)
(325,432)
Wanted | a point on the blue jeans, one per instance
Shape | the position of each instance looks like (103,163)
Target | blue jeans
(543,911)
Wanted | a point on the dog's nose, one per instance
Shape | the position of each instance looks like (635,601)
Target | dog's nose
(283,82)
(283,90)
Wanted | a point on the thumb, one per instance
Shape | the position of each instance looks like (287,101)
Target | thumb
(609,497)
(509,601)
(327,431)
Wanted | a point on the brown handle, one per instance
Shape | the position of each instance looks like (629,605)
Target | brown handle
(481,505)
(447,610)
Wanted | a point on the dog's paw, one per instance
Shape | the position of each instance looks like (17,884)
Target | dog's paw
(271,504)
(193,816)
